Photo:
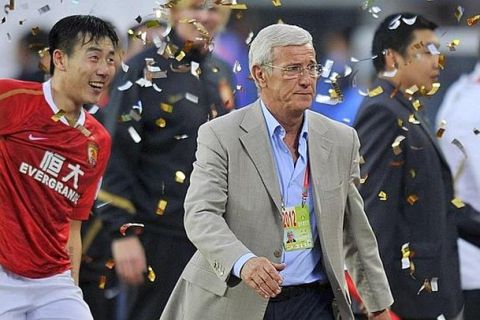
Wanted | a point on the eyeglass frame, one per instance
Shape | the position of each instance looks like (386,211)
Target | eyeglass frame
(300,72)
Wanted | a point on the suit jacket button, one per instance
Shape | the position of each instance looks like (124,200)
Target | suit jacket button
(277,253)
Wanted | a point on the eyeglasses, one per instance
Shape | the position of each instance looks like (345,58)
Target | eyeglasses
(295,71)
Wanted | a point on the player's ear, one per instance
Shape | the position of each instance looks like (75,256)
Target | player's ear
(59,59)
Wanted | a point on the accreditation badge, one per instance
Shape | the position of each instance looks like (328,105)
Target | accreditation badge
(297,230)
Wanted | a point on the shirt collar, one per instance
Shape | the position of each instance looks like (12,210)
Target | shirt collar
(47,92)
(273,124)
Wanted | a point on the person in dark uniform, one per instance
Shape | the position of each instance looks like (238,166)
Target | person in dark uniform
(153,115)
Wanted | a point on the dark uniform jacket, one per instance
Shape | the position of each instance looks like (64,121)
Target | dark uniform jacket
(408,192)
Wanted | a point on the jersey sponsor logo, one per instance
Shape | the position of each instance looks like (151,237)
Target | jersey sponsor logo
(48,174)
(35,138)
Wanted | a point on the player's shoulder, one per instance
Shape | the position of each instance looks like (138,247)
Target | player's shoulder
(102,135)
(12,87)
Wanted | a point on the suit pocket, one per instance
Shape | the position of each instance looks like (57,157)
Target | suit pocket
(205,279)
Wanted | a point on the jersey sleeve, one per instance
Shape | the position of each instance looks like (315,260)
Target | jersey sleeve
(13,105)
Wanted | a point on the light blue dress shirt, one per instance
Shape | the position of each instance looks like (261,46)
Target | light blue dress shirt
(302,266)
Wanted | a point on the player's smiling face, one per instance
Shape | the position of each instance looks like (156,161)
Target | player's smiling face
(90,68)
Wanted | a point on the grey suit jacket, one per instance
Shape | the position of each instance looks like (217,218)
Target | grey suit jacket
(233,206)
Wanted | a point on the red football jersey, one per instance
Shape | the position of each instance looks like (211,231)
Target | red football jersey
(49,174)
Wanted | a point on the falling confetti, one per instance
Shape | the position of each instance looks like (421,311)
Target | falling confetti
(127,85)
(382,196)
(161,206)
(458,203)
(459,13)
(396,145)
(134,134)
(277,3)
(412,199)
(151,274)
(180,177)
(161,122)
(471,21)
(44,9)
(452,46)
(375,91)
(441,129)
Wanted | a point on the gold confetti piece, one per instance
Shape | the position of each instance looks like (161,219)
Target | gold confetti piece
(102,282)
(406,255)
(361,160)
(459,13)
(417,105)
(57,116)
(396,145)
(429,286)
(180,55)
(458,203)
(151,274)
(134,135)
(441,61)
(161,206)
(411,199)
(35,31)
(412,90)
(161,122)
(136,228)
(412,119)
(375,92)
(238,6)
(452,46)
(397,164)
(179,177)
(364,179)
(382,196)
(435,88)
(441,128)
(473,20)
(413,173)
(166,107)
(280,21)
(399,122)
(110,264)
(277,3)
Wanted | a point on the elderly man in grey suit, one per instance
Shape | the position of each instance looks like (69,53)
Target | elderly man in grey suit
(268,169)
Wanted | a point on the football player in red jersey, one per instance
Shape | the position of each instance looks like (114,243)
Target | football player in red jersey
(52,157)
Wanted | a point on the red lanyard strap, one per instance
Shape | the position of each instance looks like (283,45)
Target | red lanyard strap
(306,184)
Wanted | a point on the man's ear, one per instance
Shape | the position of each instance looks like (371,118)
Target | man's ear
(59,59)
(259,75)
(391,59)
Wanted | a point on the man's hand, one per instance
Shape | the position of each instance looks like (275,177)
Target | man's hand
(380,315)
(130,261)
(263,276)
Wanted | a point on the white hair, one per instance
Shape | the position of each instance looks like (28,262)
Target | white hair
(275,35)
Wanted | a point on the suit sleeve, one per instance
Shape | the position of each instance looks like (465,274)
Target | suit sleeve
(383,189)
(205,206)
(120,176)
(361,252)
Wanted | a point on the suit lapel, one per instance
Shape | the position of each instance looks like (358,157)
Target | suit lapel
(319,151)
(258,147)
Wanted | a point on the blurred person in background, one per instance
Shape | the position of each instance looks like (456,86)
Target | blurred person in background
(460,144)
(336,48)
(407,185)
(33,56)
(154,127)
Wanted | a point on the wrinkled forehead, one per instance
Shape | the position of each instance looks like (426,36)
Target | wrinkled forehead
(295,51)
